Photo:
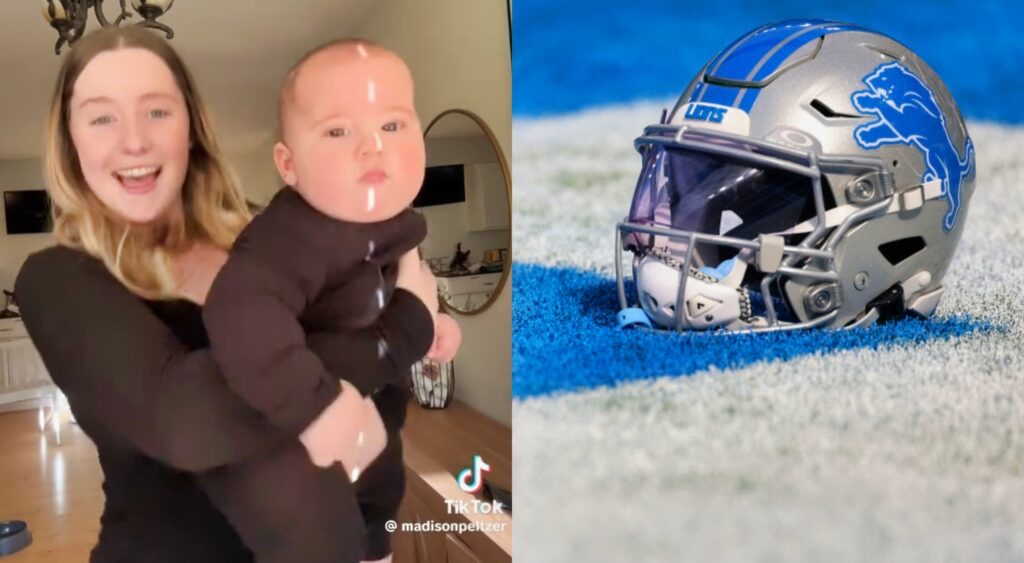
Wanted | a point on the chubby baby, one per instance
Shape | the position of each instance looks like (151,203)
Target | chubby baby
(351,151)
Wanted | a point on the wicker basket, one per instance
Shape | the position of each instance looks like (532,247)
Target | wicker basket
(433,383)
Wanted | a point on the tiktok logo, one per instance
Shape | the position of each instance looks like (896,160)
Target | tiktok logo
(471,479)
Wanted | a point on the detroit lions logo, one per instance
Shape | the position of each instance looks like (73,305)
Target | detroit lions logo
(908,114)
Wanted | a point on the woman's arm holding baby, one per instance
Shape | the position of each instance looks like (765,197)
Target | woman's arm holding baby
(406,323)
(403,335)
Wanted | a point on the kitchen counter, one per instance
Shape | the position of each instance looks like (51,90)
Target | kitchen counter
(464,273)
(437,444)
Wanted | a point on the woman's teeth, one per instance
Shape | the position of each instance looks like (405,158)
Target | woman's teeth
(131,173)
(138,180)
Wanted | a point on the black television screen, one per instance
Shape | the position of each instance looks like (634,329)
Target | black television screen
(441,185)
(27,211)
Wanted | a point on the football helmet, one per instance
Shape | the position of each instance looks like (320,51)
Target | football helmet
(813,174)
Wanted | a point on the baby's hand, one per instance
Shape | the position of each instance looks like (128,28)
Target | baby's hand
(370,442)
(328,438)
(447,339)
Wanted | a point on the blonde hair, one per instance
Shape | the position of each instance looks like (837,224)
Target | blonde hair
(213,207)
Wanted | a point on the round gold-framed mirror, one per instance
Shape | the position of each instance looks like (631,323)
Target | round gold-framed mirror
(466,201)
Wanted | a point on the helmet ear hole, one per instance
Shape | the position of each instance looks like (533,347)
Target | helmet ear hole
(829,113)
(896,251)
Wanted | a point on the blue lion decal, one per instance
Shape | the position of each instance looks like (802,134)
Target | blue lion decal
(908,113)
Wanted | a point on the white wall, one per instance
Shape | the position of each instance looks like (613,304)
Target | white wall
(257,174)
(22,174)
(458,150)
(459,54)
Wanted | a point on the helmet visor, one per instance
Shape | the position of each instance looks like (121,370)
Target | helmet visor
(689,190)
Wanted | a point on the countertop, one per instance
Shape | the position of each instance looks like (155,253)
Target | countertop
(464,273)
(438,443)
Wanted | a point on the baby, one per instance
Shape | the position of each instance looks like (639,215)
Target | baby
(352,154)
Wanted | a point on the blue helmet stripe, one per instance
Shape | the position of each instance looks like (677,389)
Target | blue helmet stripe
(742,53)
(799,40)
(725,53)
(740,58)
(697,90)
(725,95)
(737,64)
(746,102)
(758,54)
(717,94)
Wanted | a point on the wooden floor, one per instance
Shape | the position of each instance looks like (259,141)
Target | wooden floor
(56,489)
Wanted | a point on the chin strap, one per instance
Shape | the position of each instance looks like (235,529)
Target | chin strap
(633,316)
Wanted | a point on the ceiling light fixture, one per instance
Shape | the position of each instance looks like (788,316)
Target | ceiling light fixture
(69,17)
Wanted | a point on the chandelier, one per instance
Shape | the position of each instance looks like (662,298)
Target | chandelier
(69,17)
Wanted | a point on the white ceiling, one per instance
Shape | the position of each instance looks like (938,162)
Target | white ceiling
(237,50)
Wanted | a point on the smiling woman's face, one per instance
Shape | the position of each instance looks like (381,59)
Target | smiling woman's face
(130,127)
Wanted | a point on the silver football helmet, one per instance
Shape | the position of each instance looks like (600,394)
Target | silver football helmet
(813,174)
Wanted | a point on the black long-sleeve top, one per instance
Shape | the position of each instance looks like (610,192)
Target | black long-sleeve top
(139,378)
(256,312)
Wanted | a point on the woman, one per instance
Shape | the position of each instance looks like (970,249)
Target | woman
(144,210)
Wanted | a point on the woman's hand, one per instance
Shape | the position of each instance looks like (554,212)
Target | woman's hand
(196,268)
(447,339)
(415,277)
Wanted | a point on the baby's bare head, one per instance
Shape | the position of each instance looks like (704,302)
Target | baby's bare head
(350,139)
(328,57)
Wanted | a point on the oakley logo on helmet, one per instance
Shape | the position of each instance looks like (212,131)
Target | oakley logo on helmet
(702,112)
(908,114)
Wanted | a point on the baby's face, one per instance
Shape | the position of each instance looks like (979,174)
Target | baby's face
(353,141)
